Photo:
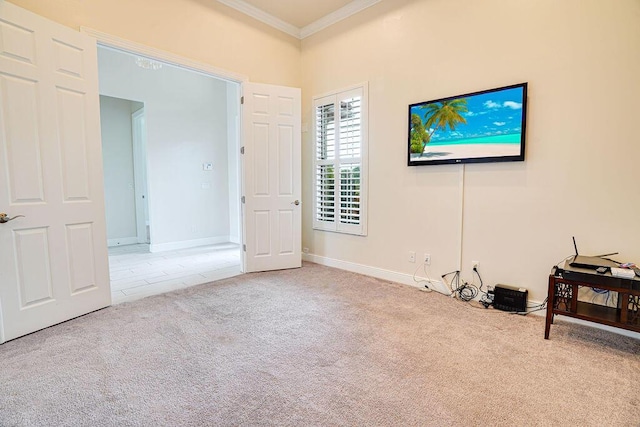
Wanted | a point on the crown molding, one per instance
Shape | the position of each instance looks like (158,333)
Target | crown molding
(334,17)
(300,33)
(262,16)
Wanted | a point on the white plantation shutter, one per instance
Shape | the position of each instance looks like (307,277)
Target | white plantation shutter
(340,161)
(350,194)
(350,124)
(325,132)
(325,200)
(325,156)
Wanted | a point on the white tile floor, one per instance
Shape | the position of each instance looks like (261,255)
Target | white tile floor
(137,273)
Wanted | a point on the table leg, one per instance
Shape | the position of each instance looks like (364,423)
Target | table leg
(623,306)
(550,303)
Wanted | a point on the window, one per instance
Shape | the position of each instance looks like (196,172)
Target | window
(340,161)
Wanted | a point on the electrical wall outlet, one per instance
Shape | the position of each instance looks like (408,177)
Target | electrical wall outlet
(412,256)
(305,250)
(427,259)
(475,264)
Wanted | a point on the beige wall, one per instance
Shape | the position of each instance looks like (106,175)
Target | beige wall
(582,165)
(203,30)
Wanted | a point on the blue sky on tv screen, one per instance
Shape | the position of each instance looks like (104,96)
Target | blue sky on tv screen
(490,114)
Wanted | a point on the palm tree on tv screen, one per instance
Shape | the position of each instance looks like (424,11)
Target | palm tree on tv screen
(440,115)
(419,135)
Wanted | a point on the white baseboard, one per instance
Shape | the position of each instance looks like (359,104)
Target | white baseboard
(122,241)
(234,239)
(380,273)
(619,331)
(438,285)
(185,244)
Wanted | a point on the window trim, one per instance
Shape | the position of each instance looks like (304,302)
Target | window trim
(336,226)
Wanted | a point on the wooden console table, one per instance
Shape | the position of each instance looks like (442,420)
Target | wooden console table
(563,298)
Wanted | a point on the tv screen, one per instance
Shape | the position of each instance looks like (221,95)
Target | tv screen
(486,126)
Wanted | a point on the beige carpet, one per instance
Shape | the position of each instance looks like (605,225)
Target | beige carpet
(316,347)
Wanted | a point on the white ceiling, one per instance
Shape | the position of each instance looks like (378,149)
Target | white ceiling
(300,18)
(299,12)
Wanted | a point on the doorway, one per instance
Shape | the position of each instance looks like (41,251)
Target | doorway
(123,155)
(184,174)
(139,142)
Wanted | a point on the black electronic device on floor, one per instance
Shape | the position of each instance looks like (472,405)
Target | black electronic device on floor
(508,298)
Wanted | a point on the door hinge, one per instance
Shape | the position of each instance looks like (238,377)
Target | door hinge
(242,100)
(243,199)
(244,248)
(241,150)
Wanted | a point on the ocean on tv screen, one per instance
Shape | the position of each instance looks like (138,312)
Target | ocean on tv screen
(481,125)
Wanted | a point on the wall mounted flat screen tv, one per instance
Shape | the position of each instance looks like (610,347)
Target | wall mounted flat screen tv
(479,127)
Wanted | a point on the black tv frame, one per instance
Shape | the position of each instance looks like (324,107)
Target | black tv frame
(463,160)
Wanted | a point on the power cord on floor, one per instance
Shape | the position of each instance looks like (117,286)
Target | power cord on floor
(533,308)
(427,282)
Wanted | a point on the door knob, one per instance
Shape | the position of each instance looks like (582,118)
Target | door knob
(5,218)
(297,202)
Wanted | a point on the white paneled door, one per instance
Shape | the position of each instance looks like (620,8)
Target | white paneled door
(272,177)
(53,261)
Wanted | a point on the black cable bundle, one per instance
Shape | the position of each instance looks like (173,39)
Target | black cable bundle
(487,297)
(465,291)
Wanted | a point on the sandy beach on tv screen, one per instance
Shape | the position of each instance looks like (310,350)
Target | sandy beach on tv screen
(463,151)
